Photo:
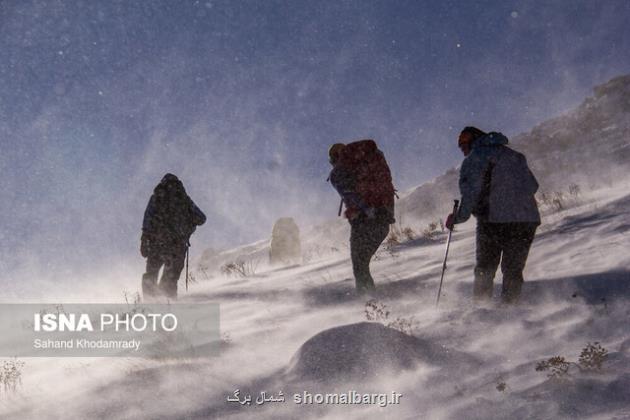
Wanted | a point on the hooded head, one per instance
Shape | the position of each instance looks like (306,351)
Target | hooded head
(168,178)
(170,184)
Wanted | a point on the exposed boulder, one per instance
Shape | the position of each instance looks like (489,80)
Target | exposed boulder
(285,242)
(366,349)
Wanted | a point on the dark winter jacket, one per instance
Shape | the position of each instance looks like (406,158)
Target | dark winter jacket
(345,183)
(496,184)
(170,218)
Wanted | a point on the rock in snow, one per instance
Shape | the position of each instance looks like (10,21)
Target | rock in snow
(365,349)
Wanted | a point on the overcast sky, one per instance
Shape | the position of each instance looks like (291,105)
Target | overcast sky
(241,99)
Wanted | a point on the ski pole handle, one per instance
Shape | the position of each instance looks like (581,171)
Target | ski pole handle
(450,220)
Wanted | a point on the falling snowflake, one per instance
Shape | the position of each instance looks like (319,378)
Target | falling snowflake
(514,14)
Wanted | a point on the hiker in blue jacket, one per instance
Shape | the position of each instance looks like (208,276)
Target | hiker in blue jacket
(497,187)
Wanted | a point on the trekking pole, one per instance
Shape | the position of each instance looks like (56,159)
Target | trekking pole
(187,248)
(448,244)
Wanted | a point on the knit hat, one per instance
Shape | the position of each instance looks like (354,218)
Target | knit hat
(469,134)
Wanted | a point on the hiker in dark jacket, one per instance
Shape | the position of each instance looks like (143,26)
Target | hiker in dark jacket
(170,219)
(362,178)
(498,188)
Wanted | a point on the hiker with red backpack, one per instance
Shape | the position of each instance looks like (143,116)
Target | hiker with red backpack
(498,188)
(362,178)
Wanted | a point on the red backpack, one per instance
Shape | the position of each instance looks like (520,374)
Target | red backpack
(372,175)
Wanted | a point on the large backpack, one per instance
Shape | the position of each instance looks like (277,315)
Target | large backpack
(373,179)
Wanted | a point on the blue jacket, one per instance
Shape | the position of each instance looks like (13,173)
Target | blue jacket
(496,184)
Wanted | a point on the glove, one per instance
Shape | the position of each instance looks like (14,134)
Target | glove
(450,221)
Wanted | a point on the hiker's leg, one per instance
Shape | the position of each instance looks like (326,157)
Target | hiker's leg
(365,238)
(488,258)
(516,248)
(172,270)
(376,234)
(149,278)
(359,256)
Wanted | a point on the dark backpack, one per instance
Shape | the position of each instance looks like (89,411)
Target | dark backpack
(373,179)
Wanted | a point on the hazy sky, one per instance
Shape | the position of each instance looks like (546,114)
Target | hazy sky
(241,99)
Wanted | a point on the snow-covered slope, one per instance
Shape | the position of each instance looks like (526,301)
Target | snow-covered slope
(302,330)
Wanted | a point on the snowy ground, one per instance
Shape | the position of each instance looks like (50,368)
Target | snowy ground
(461,361)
